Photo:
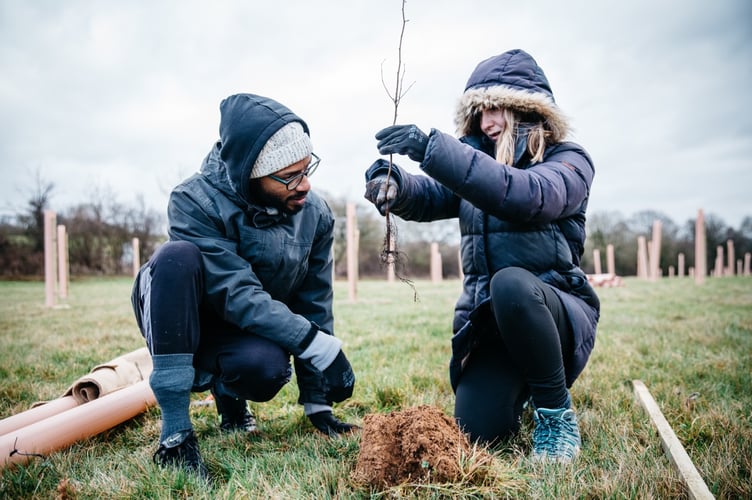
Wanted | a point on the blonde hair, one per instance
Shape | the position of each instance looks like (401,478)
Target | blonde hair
(538,137)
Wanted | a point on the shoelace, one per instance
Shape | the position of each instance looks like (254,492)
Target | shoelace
(550,434)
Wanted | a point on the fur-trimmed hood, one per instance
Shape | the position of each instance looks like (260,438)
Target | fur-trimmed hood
(510,80)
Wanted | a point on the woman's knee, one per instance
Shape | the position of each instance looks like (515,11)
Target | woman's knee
(510,282)
(486,424)
(514,290)
(490,395)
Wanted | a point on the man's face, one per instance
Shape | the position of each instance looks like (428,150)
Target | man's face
(270,192)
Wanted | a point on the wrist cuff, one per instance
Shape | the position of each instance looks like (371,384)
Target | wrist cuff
(322,350)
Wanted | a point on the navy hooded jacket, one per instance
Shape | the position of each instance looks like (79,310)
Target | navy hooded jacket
(267,272)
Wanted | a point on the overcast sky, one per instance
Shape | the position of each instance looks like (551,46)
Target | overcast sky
(122,97)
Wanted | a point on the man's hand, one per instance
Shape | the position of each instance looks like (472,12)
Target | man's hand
(325,354)
(340,379)
(330,425)
(404,140)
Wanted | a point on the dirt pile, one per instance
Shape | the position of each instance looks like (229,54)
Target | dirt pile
(419,444)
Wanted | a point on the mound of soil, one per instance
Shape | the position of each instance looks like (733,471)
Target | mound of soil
(419,444)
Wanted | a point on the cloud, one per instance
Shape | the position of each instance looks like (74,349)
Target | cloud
(127,94)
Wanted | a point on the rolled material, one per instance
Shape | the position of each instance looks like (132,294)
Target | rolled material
(106,378)
(103,379)
(36,414)
(80,422)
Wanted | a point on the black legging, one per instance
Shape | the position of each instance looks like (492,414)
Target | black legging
(167,300)
(525,359)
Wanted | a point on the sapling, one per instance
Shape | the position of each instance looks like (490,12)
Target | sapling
(390,256)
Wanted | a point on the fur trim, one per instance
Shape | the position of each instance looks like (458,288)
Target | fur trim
(475,100)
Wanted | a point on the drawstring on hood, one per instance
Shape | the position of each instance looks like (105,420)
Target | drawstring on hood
(510,80)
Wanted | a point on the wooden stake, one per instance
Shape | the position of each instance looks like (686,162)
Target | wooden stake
(62,261)
(597,261)
(718,270)
(50,258)
(731,256)
(436,268)
(655,254)
(701,245)
(610,260)
(696,487)
(352,252)
(642,258)
(136,245)
(390,273)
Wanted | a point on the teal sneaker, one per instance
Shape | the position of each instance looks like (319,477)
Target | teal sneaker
(556,437)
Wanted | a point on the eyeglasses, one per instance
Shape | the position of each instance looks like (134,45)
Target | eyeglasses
(292,182)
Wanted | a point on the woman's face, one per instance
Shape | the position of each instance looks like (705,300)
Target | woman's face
(492,123)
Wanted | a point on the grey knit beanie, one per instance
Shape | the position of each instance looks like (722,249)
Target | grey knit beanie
(288,145)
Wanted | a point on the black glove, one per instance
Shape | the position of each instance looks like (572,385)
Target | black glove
(404,140)
(331,425)
(381,193)
(340,379)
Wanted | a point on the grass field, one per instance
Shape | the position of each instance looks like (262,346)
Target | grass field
(691,345)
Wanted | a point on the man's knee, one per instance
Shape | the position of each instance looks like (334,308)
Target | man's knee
(181,255)
(255,379)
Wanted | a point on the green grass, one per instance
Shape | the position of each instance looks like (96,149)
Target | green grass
(691,345)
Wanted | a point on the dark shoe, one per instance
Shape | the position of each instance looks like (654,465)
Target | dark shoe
(234,414)
(330,425)
(181,450)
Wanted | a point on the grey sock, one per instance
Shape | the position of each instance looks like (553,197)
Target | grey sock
(171,381)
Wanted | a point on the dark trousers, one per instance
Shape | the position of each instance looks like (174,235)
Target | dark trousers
(167,301)
(525,358)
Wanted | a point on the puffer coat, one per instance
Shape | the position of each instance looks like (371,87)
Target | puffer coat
(528,215)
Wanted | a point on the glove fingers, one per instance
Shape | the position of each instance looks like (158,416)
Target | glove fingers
(391,191)
(339,394)
(398,143)
(383,194)
(373,189)
(340,379)
(387,131)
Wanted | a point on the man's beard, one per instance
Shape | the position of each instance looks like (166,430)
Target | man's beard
(261,197)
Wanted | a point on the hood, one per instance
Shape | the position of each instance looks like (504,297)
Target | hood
(510,80)
(247,122)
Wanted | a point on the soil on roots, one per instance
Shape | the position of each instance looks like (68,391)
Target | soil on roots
(419,444)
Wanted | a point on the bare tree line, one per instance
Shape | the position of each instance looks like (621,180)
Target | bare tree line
(100,232)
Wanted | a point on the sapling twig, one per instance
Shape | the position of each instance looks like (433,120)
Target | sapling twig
(390,255)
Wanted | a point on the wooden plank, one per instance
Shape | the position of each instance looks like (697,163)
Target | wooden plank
(696,487)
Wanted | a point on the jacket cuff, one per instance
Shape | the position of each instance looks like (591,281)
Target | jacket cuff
(309,337)
(322,351)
